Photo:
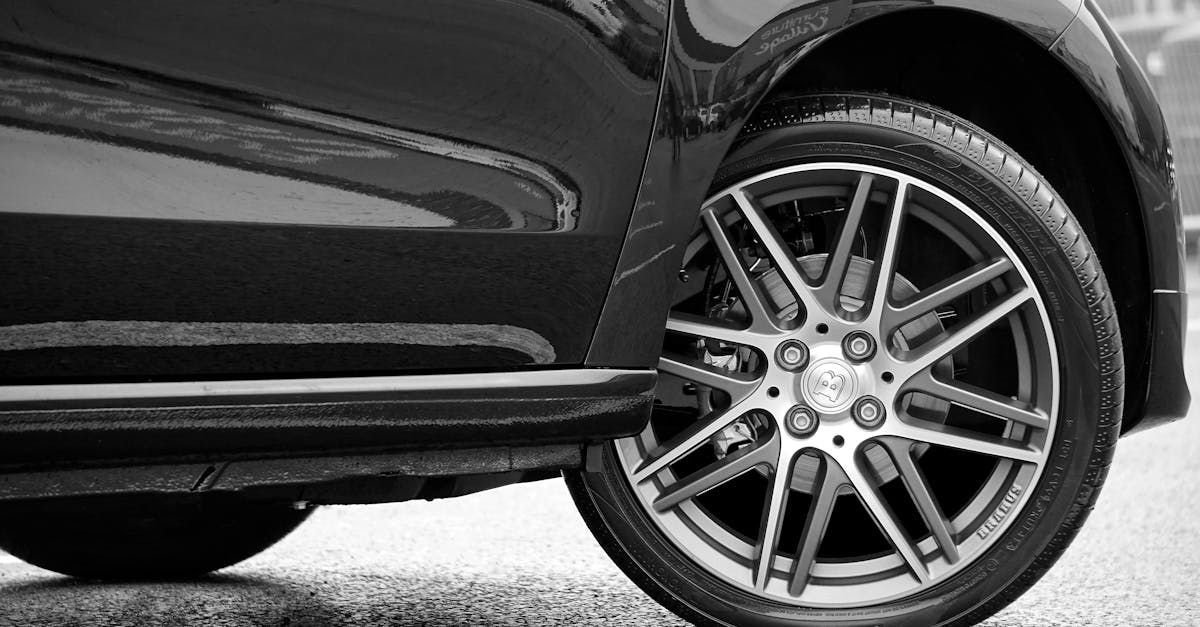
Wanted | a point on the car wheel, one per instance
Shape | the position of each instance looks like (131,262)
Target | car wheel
(143,537)
(890,387)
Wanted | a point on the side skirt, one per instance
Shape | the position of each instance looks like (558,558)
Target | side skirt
(301,431)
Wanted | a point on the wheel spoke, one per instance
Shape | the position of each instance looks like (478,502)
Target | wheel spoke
(942,293)
(980,400)
(829,292)
(713,475)
(761,317)
(966,440)
(886,520)
(918,489)
(826,487)
(771,522)
(882,271)
(701,326)
(705,327)
(947,342)
(696,434)
(712,377)
(781,256)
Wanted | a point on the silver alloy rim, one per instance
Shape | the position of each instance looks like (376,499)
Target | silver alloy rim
(850,438)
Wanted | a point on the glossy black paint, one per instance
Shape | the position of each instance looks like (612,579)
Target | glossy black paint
(491,152)
(1097,57)
(1167,396)
(462,171)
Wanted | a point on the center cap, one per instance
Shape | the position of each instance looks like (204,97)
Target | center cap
(829,385)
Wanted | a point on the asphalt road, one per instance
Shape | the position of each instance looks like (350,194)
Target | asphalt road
(521,556)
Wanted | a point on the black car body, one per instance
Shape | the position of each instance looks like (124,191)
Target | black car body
(365,251)
(602,148)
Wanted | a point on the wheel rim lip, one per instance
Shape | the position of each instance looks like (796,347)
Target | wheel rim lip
(1008,473)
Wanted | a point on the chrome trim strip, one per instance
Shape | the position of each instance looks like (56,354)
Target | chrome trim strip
(317,386)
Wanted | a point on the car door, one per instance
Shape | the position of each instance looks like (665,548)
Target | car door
(258,188)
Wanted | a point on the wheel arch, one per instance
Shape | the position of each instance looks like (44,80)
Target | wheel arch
(1070,141)
(1101,141)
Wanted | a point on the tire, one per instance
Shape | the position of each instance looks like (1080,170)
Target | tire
(672,561)
(143,537)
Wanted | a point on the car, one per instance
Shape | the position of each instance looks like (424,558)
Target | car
(829,312)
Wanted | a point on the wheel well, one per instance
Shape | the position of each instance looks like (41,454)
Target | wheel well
(988,72)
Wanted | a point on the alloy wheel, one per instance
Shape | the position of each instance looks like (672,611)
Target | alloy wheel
(864,418)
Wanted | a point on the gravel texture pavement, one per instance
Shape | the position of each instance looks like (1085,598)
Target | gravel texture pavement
(521,556)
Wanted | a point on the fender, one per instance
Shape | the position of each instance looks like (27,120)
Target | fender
(1104,66)
(722,59)
(722,62)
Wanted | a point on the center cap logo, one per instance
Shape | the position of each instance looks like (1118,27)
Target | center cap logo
(829,385)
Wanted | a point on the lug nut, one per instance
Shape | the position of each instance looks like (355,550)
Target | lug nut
(868,412)
(792,355)
(858,346)
(801,421)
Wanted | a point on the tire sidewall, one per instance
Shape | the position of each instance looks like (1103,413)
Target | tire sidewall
(1061,490)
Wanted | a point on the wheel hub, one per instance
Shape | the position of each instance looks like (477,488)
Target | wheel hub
(823,350)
